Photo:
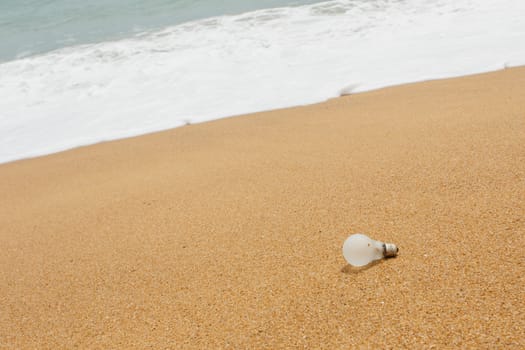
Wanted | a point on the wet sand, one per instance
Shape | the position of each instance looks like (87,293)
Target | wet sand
(228,234)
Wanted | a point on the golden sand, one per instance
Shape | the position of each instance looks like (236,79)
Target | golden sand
(228,234)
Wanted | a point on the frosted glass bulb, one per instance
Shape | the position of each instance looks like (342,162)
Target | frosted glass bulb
(360,250)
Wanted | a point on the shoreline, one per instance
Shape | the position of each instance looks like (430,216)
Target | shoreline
(349,90)
(228,233)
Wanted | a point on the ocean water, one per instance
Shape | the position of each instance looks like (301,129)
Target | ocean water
(79,72)
(29,27)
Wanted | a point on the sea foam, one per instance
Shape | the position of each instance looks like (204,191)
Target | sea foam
(260,60)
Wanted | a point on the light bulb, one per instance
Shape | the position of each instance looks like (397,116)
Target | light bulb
(361,250)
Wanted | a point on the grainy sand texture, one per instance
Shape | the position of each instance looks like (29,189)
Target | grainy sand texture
(228,234)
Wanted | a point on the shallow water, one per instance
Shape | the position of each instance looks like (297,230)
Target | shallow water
(29,27)
(125,75)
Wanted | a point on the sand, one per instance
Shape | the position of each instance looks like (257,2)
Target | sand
(228,234)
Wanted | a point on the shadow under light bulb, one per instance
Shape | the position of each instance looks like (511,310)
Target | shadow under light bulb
(360,250)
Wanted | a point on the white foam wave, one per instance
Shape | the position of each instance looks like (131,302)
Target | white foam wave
(237,64)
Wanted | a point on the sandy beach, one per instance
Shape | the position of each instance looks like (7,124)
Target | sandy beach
(228,234)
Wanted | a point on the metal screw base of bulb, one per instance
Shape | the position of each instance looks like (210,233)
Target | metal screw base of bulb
(390,250)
